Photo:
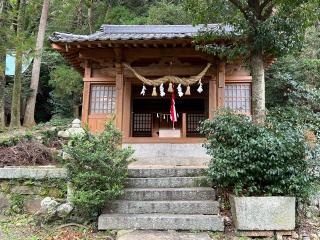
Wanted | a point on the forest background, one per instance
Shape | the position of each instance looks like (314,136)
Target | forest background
(292,81)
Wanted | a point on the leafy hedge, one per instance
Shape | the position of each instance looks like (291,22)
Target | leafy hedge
(97,169)
(250,159)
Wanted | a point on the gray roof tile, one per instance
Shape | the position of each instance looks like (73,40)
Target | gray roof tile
(137,32)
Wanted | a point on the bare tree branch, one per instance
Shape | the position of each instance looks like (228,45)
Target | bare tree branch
(264,4)
(266,9)
(267,12)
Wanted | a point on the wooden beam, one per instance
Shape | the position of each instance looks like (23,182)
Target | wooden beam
(96,54)
(100,79)
(57,47)
(221,83)
(237,78)
(156,70)
(131,53)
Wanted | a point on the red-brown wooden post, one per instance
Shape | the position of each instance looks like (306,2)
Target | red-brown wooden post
(221,83)
(119,96)
(184,125)
(86,93)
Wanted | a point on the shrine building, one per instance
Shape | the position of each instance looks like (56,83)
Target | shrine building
(134,72)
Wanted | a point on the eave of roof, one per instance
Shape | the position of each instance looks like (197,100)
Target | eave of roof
(137,32)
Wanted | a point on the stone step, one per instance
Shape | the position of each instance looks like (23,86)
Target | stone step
(169,182)
(173,207)
(137,171)
(162,194)
(160,222)
(169,154)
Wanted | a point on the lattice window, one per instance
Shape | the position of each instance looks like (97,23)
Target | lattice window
(237,96)
(142,124)
(193,123)
(102,99)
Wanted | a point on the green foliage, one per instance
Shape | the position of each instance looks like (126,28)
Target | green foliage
(121,15)
(168,13)
(295,79)
(296,117)
(97,169)
(250,159)
(16,204)
(67,90)
(256,28)
(66,81)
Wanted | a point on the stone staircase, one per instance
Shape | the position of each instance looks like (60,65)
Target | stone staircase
(162,198)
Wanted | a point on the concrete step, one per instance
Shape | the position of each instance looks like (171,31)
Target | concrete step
(160,222)
(147,171)
(169,182)
(173,207)
(163,194)
(169,154)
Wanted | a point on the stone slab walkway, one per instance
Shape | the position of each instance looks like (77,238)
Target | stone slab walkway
(161,235)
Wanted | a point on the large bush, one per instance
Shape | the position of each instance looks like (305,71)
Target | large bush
(97,169)
(250,159)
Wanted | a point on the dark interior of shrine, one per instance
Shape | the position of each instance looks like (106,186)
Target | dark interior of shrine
(151,113)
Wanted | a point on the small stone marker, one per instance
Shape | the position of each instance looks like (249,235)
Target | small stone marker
(75,129)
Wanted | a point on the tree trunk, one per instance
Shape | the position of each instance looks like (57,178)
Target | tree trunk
(31,101)
(258,88)
(2,67)
(90,6)
(2,88)
(16,92)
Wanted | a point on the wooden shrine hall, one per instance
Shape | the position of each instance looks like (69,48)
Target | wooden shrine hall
(132,73)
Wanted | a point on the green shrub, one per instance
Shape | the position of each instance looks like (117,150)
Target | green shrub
(97,169)
(298,117)
(250,159)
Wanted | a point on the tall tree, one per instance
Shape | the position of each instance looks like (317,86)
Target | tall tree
(16,91)
(262,29)
(31,101)
(2,64)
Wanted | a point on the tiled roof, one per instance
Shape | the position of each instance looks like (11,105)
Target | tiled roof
(137,32)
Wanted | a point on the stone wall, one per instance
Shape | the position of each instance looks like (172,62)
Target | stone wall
(23,188)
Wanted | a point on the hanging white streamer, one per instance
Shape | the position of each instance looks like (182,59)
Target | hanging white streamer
(162,93)
(143,90)
(200,89)
(179,88)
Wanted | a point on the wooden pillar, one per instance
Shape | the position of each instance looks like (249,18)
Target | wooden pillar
(126,119)
(86,94)
(221,83)
(184,125)
(212,96)
(119,96)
